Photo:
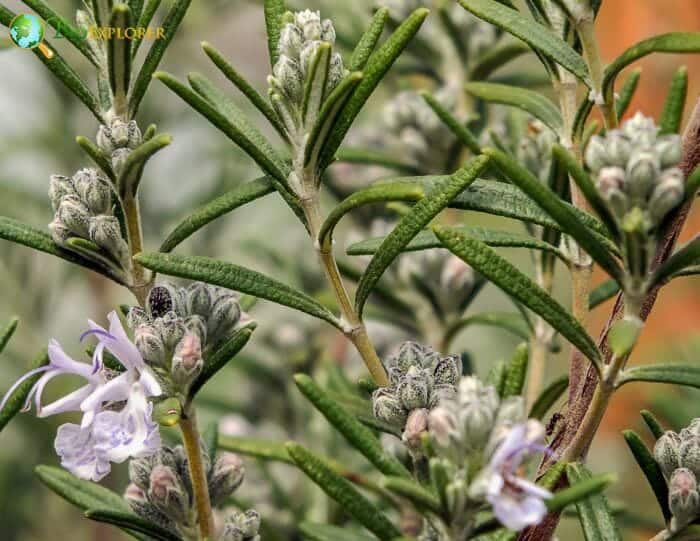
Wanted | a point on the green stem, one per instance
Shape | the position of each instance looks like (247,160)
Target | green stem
(585,25)
(354,328)
(141,282)
(198,474)
(596,410)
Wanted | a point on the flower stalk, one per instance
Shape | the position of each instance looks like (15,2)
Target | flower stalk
(354,329)
(198,474)
(140,283)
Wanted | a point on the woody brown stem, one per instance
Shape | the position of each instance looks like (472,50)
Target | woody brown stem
(583,389)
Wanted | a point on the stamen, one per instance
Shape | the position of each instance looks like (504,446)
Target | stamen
(19,382)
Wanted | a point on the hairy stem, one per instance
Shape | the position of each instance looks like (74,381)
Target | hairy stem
(539,344)
(538,362)
(581,267)
(198,474)
(585,25)
(354,328)
(133,224)
(599,404)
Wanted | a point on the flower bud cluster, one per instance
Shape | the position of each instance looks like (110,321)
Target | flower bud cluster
(419,379)
(179,324)
(474,421)
(637,173)
(242,526)
(161,488)
(678,456)
(302,38)
(446,281)
(118,140)
(83,208)
(412,129)
(535,149)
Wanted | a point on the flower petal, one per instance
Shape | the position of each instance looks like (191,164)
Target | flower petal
(19,382)
(62,362)
(115,390)
(128,433)
(75,446)
(70,402)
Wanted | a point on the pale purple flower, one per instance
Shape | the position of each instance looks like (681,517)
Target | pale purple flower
(104,435)
(516,502)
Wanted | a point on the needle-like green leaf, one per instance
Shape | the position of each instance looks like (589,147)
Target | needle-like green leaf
(274,12)
(130,522)
(155,54)
(672,114)
(411,224)
(426,239)
(675,42)
(548,397)
(83,494)
(7,332)
(351,501)
(376,68)
(562,214)
(237,278)
(650,468)
(368,41)
(376,193)
(507,277)
(413,492)
(207,213)
(258,448)
(585,184)
(26,235)
(222,356)
(674,373)
(594,513)
(530,101)
(260,103)
(119,58)
(627,91)
(463,134)
(606,290)
(357,434)
(539,37)
(516,372)
(686,256)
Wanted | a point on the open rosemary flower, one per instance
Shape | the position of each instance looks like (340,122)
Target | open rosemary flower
(116,421)
(516,502)
(484,441)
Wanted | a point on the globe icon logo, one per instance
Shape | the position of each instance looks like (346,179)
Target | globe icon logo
(27,32)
